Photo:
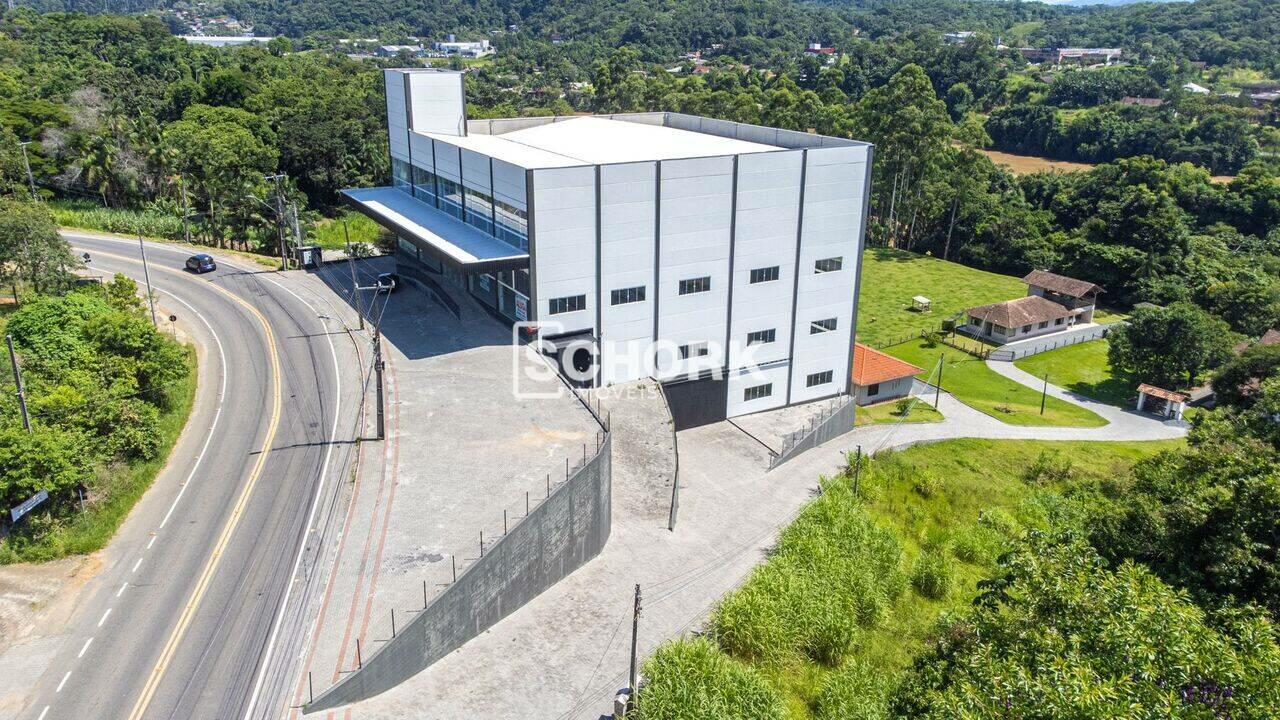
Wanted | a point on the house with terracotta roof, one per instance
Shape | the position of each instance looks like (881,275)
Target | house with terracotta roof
(1053,303)
(878,376)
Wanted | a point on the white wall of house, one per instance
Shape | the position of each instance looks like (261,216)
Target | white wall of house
(628,213)
(564,226)
(890,390)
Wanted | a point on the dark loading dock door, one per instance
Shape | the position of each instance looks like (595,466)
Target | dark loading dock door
(697,402)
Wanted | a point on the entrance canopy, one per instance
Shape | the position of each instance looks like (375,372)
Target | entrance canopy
(452,240)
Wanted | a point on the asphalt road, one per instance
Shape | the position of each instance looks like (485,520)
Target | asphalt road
(197,612)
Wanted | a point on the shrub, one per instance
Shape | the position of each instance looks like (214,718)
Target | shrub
(691,678)
(854,692)
(926,485)
(976,544)
(999,520)
(1049,466)
(932,339)
(903,406)
(931,575)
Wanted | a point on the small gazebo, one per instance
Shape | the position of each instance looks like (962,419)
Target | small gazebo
(922,304)
(1158,401)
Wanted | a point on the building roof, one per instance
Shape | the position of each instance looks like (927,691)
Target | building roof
(1023,311)
(597,141)
(1170,395)
(1149,102)
(1270,337)
(871,366)
(1061,284)
(455,241)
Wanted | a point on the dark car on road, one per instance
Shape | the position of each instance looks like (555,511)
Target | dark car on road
(201,263)
(387,282)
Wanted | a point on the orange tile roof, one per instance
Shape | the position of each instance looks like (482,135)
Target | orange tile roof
(872,366)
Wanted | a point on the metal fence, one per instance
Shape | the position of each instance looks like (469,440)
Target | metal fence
(1035,346)
(832,421)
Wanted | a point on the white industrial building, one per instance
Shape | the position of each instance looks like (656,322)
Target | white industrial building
(721,258)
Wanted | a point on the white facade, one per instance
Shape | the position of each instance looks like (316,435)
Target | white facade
(682,246)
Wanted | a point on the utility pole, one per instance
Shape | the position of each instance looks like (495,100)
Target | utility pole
(635,632)
(284,264)
(26,161)
(377,369)
(17,380)
(937,394)
(1044,393)
(857,470)
(186,210)
(355,286)
(146,274)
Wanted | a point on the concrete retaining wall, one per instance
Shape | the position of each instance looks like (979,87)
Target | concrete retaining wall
(556,538)
(832,425)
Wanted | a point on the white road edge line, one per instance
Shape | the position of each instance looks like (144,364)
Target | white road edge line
(84,648)
(64,681)
(265,660)
(104,617)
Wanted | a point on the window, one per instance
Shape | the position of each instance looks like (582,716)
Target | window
(819,378)
(698,349)
(757,392)
(1043,325)
(483,279)
(827,265)
(695,285)
(873,389)
(402,175)
(821,326)
(626,295)
(450,197)
(569,304)
(761,336)
(424,184)
(479,210)
(513,225)
(1058,321)
(766,274)
(1026,328)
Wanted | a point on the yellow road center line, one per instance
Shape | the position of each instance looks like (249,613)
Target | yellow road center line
(228,529)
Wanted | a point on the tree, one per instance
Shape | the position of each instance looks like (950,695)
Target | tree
(30,244)
(1059,635)
(46,459)
(1250,302)
(1171,346)
(1204,518)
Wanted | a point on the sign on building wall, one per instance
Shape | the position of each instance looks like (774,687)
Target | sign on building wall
(522,308)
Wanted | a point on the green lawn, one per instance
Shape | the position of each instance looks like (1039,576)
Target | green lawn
(1082,369)
(887,412)
(982,389)
(890,278)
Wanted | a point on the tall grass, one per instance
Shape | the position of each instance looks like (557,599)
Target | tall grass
(332,234)
(833,573)
(691,679)
(92,216)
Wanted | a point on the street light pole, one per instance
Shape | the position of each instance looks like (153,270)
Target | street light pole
(186,210)
(280,220)
(146,274)
(31,179)
(17,380)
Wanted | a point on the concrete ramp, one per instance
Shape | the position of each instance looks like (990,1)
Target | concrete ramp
(644,449)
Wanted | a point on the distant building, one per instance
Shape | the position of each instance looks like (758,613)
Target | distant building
(557,38)
(223,40)
(1146,102)
(1195,89)
(395,50)
(1265,98)
(958,38)
(815,48)
(475,49)
(1084,56)
(1053,303)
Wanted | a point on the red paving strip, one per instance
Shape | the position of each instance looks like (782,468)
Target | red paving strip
(333,573)
(394,447)
(364,560)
